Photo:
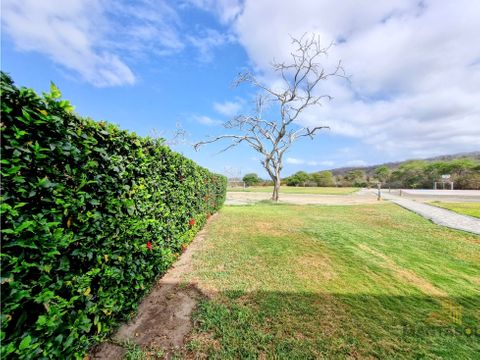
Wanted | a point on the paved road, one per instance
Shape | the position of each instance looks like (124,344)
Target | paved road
(437,215)
(439,195)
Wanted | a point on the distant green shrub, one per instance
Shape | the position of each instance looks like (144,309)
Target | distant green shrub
(251,179)
(91,216)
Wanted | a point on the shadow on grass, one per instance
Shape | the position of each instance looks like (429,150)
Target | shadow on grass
(304,325)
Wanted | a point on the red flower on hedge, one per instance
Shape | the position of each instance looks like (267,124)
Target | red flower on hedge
(191,222)
(149,246)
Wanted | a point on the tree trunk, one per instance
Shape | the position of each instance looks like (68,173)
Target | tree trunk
(276,189)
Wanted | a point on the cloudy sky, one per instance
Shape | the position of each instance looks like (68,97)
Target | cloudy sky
(152,65)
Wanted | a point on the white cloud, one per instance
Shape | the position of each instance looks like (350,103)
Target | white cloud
(97,39)
(356,163)
(65,32)
(226,10)
(297,161)
(143,27)
(94,39)
(227,108)
(205,120)
(207,41)
(326,163)
(415,68)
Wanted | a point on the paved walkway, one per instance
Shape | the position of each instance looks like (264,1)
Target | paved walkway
(437,215)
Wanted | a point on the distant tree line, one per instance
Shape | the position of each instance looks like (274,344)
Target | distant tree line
(413,174)
(465,174)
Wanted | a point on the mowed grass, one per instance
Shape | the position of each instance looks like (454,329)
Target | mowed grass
(470,208)
(335,282)
(299,190)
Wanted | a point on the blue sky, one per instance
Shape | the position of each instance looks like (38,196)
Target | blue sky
(414,67)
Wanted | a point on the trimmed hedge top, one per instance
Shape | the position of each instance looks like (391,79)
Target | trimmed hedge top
(91,216)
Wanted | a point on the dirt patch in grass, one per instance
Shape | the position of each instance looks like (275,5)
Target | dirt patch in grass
(249,198)
(406,275)
(163,320)
(107,351)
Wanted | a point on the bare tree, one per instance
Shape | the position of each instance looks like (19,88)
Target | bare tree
(272,138)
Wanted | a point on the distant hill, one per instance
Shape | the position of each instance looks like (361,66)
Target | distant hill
(369,170)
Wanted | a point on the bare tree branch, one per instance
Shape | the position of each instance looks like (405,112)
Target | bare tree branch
(171,138)
(300,79)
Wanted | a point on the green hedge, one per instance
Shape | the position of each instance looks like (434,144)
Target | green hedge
(91,216)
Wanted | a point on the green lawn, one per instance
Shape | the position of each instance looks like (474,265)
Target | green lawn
(335,282)
(472,209)
(300,190)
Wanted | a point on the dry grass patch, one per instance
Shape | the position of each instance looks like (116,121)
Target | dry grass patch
(300,282)
(406,275)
